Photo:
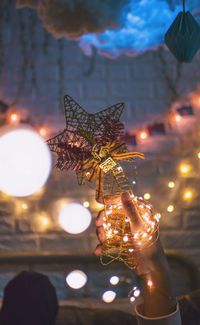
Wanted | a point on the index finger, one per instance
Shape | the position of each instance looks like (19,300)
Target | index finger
(99,218)
(130,211)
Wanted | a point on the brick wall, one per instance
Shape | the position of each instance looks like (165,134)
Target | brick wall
(43,69)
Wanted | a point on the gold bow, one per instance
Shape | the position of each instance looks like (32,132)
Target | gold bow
(104,160)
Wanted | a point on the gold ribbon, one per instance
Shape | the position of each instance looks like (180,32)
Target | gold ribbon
(103,161)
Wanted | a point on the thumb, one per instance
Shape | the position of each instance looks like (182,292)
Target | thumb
(130,211)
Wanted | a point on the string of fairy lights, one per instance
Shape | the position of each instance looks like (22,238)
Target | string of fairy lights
(175,124)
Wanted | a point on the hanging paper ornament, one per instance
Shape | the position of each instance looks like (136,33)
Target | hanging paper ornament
(130,139)
(183,36)
(185,110)
(3,107)
(156,129)
(91,145)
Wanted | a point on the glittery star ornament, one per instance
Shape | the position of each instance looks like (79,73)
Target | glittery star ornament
(183,37)
(92,145)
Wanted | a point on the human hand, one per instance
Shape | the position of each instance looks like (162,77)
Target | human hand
(152,265)
(145,257)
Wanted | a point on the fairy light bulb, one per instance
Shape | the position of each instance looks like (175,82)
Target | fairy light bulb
(42,222)
(198,154)
(147,196)
(136,293)
(188,195)
(14,118)
(143,135)
(109,296)
(170,208)
(150,283)
(114,280)
(184,168)
(171,184)
(125,238)
(76,279)
(86,204)
(178,118)
(43,132)
(24,206)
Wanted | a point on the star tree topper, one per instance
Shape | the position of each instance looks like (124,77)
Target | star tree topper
(91,143)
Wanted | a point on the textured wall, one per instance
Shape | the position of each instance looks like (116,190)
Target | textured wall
(36,71)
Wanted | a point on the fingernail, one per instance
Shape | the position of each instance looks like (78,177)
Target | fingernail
(126,197)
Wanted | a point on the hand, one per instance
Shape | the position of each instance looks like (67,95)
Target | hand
(146,257)
(152,265)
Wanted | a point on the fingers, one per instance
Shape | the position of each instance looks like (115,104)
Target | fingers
(130,211)
(99,218)
(101,234)
(98,250)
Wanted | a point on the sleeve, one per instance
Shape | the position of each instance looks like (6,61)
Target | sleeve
(171,319)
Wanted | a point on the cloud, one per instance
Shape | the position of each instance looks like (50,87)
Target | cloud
(73,18)
(112,27)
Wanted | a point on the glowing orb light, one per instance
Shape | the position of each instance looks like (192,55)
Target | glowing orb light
(147,196)
(114,280)
(74,218)
(171,184)
(76,279)
(109,296)
(185,168)
(170,208)
(25,161)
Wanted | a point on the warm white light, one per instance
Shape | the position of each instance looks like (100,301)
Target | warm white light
(43,132)
(188,195)
(170,208)
(25,161)
(125,238)
(198,154)
(147,196)
(185,168)
(150,283)
(76,279)
(143,135)
(171,184)
(136,293)
(86,204)
(114,280)
(42,222)
(178,118)
(14,118)
(74,218)
(24,206)
(108,296)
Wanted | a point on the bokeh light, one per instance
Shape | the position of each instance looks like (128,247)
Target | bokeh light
(170,208)
(109,296)
(74,218)
(184,168)
(143,135)
(42,222)
(86,204)
(147,196)
(25,161)
(171,184)
(188,195)
(114,280)
(76,279)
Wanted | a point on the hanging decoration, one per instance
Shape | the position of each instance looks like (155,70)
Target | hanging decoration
(112,28)
(91,145)
(183,36)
